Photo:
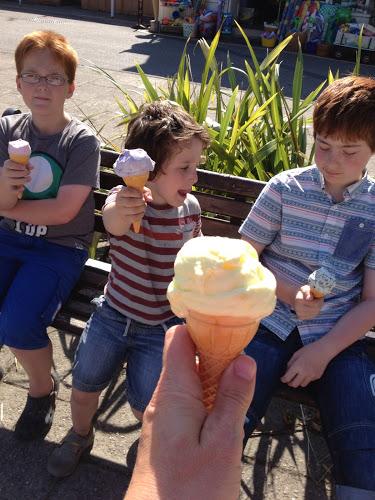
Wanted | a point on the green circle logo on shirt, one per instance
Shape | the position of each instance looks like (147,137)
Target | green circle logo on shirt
(45,178)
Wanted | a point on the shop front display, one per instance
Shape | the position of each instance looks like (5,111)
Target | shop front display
(197,17)
(332,29)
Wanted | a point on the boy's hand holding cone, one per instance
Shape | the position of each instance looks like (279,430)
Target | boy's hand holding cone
(223,291)
(19,151)
(321,282)
(134,166)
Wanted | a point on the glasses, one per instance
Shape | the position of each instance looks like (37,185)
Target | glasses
(34,78)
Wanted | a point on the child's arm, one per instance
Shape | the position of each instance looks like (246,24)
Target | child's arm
(309,363)
(53,211)
(298,298)
(13,177)
(123,207)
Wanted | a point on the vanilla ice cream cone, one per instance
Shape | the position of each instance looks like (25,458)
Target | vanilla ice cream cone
(223,292)
(137,182)
(219,340)
(19,151)
(321,282)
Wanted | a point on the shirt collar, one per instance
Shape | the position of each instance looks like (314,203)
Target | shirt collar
(349,190)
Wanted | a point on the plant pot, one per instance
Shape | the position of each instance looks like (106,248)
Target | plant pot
(268,42)
(323,49)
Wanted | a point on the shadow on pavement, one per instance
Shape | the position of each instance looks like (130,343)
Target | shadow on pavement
(24,474)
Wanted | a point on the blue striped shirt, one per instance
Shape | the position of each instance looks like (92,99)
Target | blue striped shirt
(304,229)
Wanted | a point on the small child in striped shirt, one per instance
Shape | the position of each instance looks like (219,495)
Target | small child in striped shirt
(133,314)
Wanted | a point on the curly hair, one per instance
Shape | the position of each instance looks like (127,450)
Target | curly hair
(162,128)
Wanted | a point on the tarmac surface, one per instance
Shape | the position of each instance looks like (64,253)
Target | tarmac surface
(285,459)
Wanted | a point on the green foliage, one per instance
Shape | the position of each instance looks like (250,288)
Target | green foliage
(256,132)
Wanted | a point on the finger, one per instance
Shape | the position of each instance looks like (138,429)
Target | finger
(306,381)
(289,375)
(235,393)
(297,380)
(293,359)
(177,399)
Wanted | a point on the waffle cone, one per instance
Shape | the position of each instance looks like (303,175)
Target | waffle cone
(23,160)
(137,182)
(316,294)
(218,341)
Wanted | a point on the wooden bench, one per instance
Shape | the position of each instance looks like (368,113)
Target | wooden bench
(225,201)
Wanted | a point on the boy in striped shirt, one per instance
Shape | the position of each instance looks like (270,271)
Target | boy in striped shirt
(133,314)
(324,216)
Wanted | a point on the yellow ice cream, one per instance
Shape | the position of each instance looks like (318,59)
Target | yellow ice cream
(219,276)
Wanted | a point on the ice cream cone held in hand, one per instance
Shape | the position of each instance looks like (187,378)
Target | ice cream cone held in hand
(134,166)
(321,282)
(223,291)
(19,151)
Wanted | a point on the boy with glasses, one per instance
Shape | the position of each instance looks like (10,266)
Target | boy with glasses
(48,215)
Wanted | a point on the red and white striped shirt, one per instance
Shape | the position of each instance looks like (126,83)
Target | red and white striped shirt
(143,263)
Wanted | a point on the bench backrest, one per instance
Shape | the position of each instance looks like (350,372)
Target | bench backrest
(225,200)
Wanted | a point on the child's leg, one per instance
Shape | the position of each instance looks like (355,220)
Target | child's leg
(83,406)
(271,355)
(100,353)
(37,363)
(346,398)
(144,363)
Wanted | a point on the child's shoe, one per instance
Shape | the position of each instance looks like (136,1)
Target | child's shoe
(36,419)
(64,459)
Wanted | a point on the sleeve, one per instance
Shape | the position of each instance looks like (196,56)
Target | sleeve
(264,220)
(3,142)
(195,212)
(370,257)
(83,166)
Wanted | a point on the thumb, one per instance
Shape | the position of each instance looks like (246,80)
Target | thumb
(235,393)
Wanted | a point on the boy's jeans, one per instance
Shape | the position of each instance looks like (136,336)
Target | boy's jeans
(345,396)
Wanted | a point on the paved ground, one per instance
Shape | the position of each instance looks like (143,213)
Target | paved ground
(287,459)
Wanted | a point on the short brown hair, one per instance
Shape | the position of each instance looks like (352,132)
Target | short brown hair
(56,43)
(346,109)
(162,128)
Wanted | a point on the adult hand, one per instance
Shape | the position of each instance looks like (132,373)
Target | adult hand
(183,452)
(306,364)
(305,305)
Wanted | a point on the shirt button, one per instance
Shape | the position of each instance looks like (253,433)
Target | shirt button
(361,225)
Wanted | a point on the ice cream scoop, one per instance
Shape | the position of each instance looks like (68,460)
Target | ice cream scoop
(223,291)
(19,151)
(321,282)
(134,166)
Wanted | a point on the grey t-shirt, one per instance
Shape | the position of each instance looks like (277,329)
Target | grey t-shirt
(70,157)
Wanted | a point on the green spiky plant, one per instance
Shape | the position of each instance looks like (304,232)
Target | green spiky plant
(256,131)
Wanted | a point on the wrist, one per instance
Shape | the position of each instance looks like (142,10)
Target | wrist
(327,348)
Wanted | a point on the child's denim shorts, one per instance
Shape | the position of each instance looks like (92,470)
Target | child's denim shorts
(36,278)
(109,340)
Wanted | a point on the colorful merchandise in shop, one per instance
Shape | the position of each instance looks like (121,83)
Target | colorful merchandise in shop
(325,24)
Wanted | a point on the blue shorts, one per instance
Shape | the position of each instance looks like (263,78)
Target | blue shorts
(110,339)
(345,395)
(36,277)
